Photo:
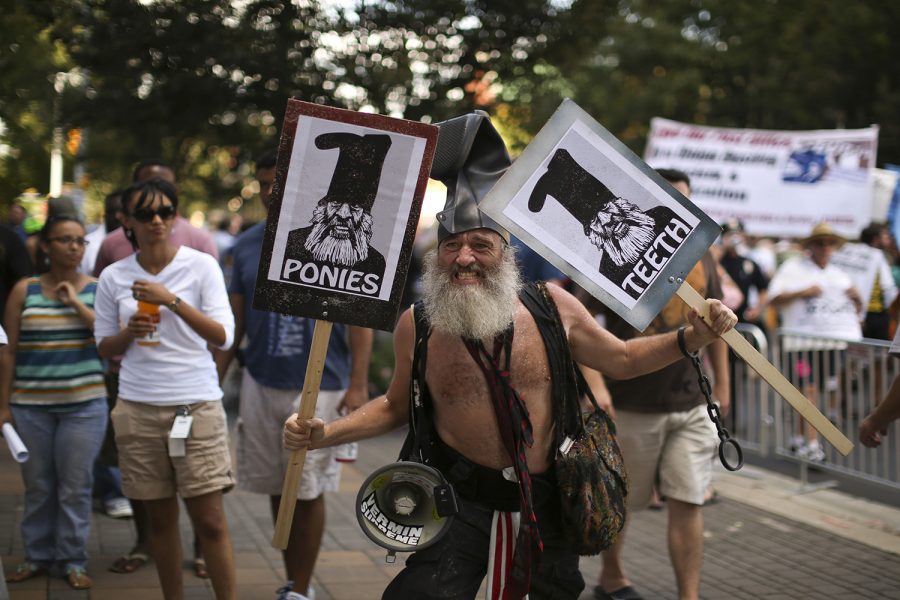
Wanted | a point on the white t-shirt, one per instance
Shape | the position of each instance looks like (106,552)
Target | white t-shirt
(95,240)
(832,314)
(181,368)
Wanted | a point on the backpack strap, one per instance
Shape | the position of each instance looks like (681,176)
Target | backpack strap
(420,426)
(567,381)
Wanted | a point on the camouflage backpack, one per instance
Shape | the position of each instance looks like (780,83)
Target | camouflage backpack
(590,473)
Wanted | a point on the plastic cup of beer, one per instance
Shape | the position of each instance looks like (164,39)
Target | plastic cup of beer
(152,338)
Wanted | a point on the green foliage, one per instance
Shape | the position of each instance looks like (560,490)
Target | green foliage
(203,84)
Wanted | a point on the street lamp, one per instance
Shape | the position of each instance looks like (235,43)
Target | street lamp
(62,79)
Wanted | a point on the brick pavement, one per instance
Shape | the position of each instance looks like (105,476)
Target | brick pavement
(762,541)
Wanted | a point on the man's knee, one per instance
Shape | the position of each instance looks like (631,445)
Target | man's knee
(683,512)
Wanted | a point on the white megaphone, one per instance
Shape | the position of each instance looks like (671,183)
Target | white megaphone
(405,506)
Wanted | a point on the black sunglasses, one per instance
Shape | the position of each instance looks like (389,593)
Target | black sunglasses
(145,215)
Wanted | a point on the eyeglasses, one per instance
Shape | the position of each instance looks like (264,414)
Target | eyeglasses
(68,240)
(145,215)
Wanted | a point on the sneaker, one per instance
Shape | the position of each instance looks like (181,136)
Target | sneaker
(811,452)
(285,593)
(816,455)
(815,452)
(118,508)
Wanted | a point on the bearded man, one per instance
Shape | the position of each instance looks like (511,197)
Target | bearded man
(341,229)
(471,305)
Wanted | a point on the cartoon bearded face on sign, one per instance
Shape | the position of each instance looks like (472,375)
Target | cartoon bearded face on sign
(622,231)
(341,233)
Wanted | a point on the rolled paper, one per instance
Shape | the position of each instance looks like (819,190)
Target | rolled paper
(16,447)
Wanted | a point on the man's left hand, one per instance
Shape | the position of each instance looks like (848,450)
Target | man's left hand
(721,320)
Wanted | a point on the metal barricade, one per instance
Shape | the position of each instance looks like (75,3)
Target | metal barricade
(845,380)
(750,419)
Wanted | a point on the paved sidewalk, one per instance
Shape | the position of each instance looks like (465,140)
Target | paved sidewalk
(763,540)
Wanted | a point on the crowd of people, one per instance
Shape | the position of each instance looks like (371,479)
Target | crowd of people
(119,340)
(117,334)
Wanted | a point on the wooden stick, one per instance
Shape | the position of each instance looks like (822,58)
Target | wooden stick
(767,371)
(314,369)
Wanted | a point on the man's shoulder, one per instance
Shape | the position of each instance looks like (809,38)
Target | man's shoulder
(794,264)
(97,235)
(195,237)
(250,239)
(116,242)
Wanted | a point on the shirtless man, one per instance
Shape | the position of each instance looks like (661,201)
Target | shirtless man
(464,417)
(471,286)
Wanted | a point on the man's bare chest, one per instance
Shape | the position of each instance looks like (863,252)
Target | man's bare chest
(455,378)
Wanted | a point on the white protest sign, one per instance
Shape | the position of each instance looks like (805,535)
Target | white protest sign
(586,203)
(863,264)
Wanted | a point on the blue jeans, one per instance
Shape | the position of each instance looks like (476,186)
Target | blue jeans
(58,480)
(107,482)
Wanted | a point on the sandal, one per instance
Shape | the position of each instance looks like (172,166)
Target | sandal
(200,568)
(129,563)
(77,578)
(25,570)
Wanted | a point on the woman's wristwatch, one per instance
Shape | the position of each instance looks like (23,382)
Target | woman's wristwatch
(173,305)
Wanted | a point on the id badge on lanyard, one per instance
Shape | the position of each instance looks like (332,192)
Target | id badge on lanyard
(181,430)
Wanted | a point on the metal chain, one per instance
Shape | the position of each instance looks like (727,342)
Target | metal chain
(715,416)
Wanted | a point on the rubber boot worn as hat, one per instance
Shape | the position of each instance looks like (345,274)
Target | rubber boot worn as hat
(470,158)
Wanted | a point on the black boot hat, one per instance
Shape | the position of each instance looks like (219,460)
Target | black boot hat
(358,170)
(470,158)
(578,191)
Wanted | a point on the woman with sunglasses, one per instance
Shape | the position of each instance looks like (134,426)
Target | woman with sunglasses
(168,419)
(51,386)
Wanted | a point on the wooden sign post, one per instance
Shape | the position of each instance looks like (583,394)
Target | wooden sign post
(338,242)
(586,203)
(314,369)
(773,376)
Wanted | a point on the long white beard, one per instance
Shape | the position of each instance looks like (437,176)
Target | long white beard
(471,311)
(347,251)
(626,245)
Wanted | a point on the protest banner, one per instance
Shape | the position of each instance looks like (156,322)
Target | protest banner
(778,183)
(344,209)
(596,211)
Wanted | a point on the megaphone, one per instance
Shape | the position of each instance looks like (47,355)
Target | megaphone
(405,506)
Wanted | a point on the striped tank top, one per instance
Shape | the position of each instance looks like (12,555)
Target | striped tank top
(57,365)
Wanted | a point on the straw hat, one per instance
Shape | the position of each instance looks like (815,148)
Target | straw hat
(823,231)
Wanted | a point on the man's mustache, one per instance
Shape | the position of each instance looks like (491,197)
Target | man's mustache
(347,223)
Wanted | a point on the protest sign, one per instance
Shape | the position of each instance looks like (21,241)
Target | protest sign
(587,204)
(864,264)
(343,215)
(602,216)
(342,219)
(778,183)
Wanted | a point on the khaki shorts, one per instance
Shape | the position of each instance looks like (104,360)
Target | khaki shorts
(671,450)
(149,473)
(261,458)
